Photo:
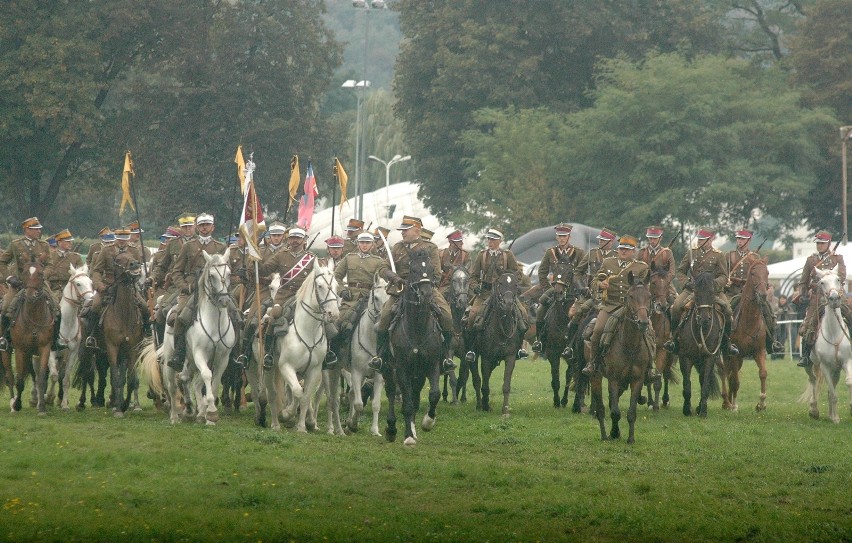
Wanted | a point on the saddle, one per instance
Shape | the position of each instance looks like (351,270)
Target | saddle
(282,324)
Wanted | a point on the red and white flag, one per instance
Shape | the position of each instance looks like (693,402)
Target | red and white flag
(307,201)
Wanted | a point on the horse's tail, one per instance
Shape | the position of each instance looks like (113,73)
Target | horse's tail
(150,363)
(713,388)
(672,376)
(812,388)
(83,370)
(74,370)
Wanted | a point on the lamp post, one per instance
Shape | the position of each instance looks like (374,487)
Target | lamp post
(396,159)
(845,135)
(357,86)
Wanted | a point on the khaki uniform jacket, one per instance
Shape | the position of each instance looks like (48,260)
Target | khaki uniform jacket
(359,272)
(451,258)
(572,255)
(826,261)
(143,253)
(282,262)
(161,273)
(591,263)
(349,246)
(190,260)
(400,254)
(712,261)
(738,270)
(487,268)
(663,260)
(58,271)
(94,249)
(16,259)
(103,270)
(617,273)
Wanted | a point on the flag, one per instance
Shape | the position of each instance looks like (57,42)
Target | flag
(252,225)
(294,178)
(125,184)
(306,202)
(342,178)
(241,165)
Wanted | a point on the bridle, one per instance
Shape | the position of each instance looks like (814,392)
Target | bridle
(79,296)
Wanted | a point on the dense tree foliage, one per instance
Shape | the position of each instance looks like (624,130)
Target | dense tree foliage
(179,84)
(702,142)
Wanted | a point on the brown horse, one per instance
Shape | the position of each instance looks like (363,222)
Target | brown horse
(31,336)
(122,331)
(749,334)
(664,360)
(626,360)
(700,344)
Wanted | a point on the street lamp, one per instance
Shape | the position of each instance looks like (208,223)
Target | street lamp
(845,135)
(396,159)
(357,86)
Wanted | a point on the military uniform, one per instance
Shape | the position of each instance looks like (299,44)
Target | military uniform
(487,267)
(16,259)
(358,269)
(58,271)
(590,297)
(808,286)
(451,258)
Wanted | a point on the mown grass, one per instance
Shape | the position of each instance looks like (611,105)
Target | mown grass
(540,475)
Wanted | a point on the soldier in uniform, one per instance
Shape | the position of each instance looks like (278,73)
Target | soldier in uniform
(352,229)
(334,246)
(16,259)
(703,258)
(486,268)
(358,269)
(561,253)
(143,253)
(823,259)
(184,273)
(105,237)
(412,241)
(293,264)
(57,274)
(612,283)
(737,264)
(661,257)
(426,234)
(161,274)
(452,257)
(379,247)
(103,276)
(274,241)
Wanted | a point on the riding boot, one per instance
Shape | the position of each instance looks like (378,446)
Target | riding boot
(447,365)
(175,361)
(331,359)
(91,320)
(537,345)
(570,334)
(56,345)
(382,339)
(268,347)
(593,362)
(4,325)
(805,360)
(727,346)
(671,345)
(246,346)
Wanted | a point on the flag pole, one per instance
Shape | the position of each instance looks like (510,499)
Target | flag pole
(136,206)
(334,194)
(233,205)
(260,329)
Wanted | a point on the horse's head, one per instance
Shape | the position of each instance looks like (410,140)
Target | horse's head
(127,268)
(215,279)
(830,286)
(638,302)
(459,281)
(325,290)
(420,274)
(379,293)
(505,291)
(563,276)
(705,297)
(34,276)
(757,278)
(79,288)
(659,287)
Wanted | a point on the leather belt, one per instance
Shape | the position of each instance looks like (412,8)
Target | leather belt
(367,286)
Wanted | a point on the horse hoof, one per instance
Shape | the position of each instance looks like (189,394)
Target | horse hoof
(428,423)
(641,400)
(118,414)
(213,417)
(410,442)
(42,413)
(760,407)
(209,423)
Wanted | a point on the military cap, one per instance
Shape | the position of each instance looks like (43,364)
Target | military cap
(383,230)
(32,222)
(335,242)
(186,219)
(134,228)
(654,232)
(365,236)
(122,233)
(276,228)
(705,233)
(426,234)
(204,218)
(493,233)
(607,234)
(822,236)
(104,231)
(51,241)
(354,224)
(408,222)
(744,234)
(563,229)
(627,242)
(64,235)
(455,235)
(297,232)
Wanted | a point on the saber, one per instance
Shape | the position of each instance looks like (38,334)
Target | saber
(387,246)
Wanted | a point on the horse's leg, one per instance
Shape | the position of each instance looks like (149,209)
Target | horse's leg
(52,377)
(735,366)
(597,403)
(206,403)
(685,371)
(848,369)
(42,376)
(726,376)
(564,401)
(554,359)
(482,399)
(453,389)
(635,392)
(832,376)
(102,364)
(390,392)
(408,407)
(813,390)
(376,401)
(434,395)
(614,411)
(760,360)
(508,370)
(331,379)
(22,371)
(132,379)
(356,401)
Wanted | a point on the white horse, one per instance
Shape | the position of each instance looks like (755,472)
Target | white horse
(832,351)
(362,348)
(63,364)
(301,351)
(209,341)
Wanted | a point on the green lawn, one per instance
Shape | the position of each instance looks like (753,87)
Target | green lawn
(540,475)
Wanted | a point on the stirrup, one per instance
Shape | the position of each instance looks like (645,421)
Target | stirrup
(568,353)
(241,361)
(777,348)
(470,357)
(536,346)
(330,361)
(376,364)
(670,346)
(522,353)
(91,342)
(268,363)
(175,362)
(733,350)
(804,362)
(447,366)
(4,345)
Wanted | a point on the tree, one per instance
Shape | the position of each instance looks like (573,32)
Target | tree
(465,55)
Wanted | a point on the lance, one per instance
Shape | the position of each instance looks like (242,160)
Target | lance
(669,246)
(308,248)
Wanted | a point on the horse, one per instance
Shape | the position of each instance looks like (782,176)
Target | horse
(362,347)
(32,334)
(659,287)
(301,351)
(416,350)
(457,300)
(499,339)
(832,351)
(76,292)
(122,331)
(626,360)
(555,323)
(749,334)
(700,344)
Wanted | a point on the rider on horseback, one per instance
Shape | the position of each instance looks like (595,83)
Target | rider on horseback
(400,253)
(57,273)
(823,259)
(739,265)
(703,258)
(16,261)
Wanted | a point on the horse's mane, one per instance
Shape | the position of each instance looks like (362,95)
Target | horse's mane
(704,286)
(309,280)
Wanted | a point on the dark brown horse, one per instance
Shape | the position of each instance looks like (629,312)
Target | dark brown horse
(555,324)
(626,361)
(664,361)
(701,343)
(749,334)
(122,331)
(31,336)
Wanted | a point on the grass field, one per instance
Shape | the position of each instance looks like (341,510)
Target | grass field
(540,475)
